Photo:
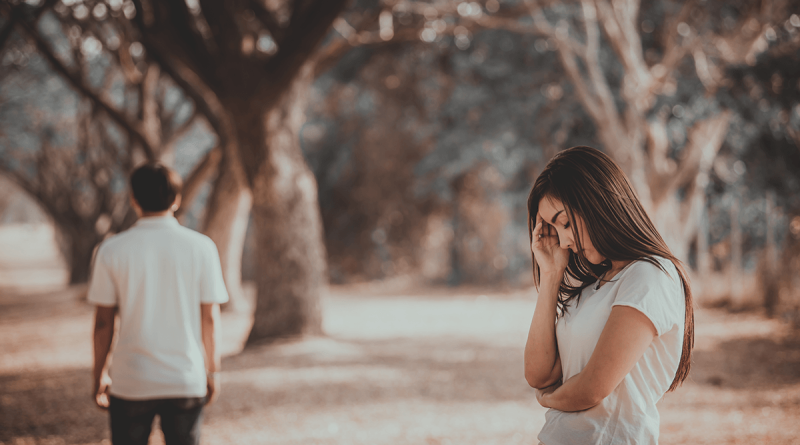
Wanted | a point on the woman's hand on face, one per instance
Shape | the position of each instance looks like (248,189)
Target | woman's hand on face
(546,249)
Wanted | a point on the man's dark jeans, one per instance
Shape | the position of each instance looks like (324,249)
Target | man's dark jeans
(132,420)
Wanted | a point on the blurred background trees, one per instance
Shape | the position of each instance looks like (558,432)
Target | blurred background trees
(378,139)
(78,116)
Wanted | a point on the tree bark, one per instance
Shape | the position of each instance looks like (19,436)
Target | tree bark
(768,271)
(672,224)
(676,219)
(262,103)
(703,252)
(288,226)
(735,268)
(79,250)
(227,215)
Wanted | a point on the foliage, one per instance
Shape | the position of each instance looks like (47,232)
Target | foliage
(70,130)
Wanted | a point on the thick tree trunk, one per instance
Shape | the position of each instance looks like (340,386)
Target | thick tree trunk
(703,252)
(288,225)
(769,275)
(227,215)
(735,269)
(80,248)
(669,221)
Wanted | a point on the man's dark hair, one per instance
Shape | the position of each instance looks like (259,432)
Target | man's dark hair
(155,187)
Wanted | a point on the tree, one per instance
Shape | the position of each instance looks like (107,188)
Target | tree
(765,145)
(633,126)
(247,67)
(247,62)
(76,169)
(688,52)
(429,150)
(73,184)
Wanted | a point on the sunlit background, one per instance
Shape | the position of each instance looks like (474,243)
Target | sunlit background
(371,159)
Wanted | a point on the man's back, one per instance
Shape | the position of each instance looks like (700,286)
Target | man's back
(158,273)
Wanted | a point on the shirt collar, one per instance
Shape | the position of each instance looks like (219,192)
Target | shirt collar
(150,221)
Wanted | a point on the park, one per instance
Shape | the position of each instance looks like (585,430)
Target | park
(363,167)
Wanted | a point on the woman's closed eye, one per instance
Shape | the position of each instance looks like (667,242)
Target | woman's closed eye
(566,226)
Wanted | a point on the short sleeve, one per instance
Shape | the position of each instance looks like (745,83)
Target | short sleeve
(102,290)
(655,293)
(212,285)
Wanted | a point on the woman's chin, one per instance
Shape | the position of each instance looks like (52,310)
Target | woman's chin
(594,259)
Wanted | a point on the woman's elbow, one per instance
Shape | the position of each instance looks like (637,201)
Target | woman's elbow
(537,381)
(532,381)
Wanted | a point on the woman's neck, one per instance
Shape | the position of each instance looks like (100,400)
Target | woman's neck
(616,267)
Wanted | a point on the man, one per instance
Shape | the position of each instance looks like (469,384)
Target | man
(165,283)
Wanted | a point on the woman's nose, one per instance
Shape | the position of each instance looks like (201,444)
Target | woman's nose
(564,242)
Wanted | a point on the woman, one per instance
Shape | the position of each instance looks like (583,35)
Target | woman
(613,327)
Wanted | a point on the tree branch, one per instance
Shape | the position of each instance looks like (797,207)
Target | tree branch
(302,37)
(122,53)
(268,20)
(8,26)
(172,27)
(151,123)
(705,139)
(609,116)
(567,52)
(82,88)
(204,98)
(794,134)
(199,175)
(223,27)
(23,182)
(360,37)
(16,14)
(333,52)
(625,40)
(178,133)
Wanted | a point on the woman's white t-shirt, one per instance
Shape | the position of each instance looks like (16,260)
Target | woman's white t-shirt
(629,414)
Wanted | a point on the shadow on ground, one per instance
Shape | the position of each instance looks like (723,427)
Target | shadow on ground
(456,378)
(750,363)
(377,372)
(317,373)
(49,405)
(326,374)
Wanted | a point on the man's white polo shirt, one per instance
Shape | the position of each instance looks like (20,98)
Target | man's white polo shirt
(158,273)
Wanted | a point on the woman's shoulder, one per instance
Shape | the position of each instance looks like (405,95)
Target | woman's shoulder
(654,272)
(655,266)
(653,286)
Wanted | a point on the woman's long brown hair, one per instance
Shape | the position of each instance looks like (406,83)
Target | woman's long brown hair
(592,186)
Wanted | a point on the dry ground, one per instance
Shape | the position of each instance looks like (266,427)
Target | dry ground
(428,367)
(398,366)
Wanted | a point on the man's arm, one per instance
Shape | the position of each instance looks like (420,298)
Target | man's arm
(209,314)
(104,319)
(625,338)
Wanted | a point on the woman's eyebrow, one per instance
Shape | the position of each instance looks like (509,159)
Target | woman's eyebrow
(553,220)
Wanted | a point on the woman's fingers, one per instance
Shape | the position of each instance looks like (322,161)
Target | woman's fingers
(544,234)
(536,240)
(545,230)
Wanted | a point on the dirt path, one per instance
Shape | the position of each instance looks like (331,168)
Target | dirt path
(435,367)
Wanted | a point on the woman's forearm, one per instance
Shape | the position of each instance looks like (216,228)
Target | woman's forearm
(541,351)
(628,333)
(576,394)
